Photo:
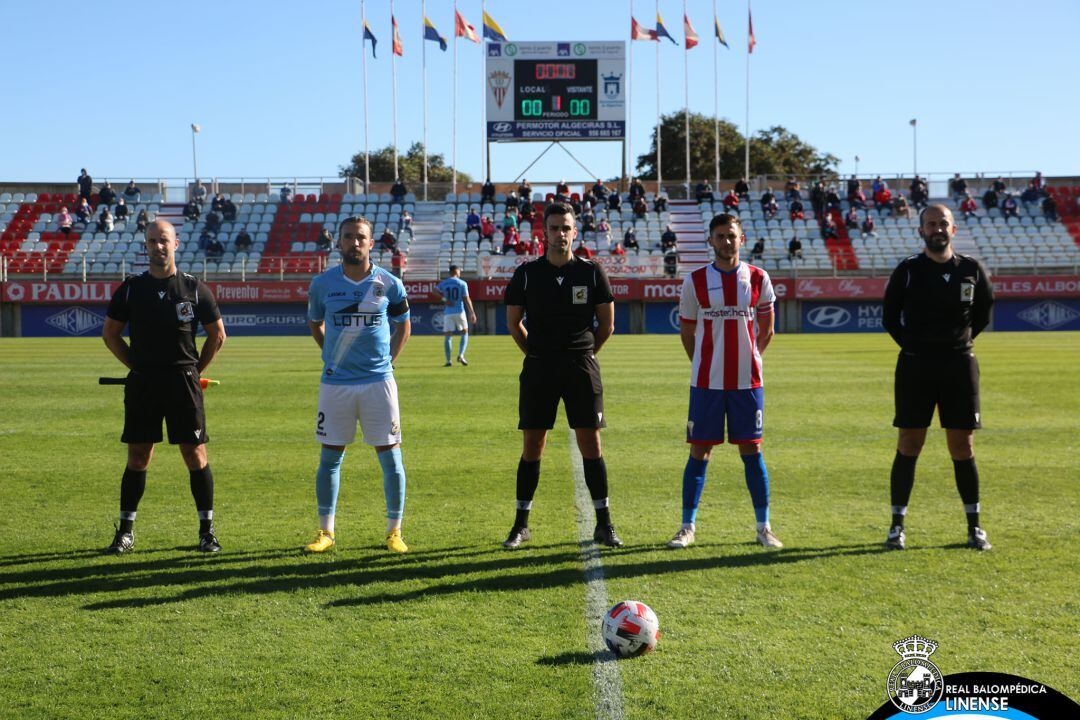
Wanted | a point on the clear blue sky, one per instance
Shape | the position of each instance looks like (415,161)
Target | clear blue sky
(276,85)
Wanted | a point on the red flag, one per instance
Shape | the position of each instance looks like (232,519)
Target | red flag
(464,29)
(691,34)
(639,33)
(752,41)
(398,46)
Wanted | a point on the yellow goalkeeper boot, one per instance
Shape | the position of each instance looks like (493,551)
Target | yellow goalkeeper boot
(394,543)
(323,542)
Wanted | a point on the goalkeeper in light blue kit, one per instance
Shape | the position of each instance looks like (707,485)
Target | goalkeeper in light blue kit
(350,310)
(455,294)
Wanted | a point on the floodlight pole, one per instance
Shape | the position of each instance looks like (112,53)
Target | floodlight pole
(423,65)
(194,158)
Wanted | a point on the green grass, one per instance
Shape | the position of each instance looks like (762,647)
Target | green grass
(460,628)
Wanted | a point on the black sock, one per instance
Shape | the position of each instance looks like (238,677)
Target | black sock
(202,489)
(901,480)
(132,486)
(528,477)
(967,482)
(596,481)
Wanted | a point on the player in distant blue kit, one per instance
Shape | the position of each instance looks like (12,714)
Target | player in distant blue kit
(350,310)
(455,294)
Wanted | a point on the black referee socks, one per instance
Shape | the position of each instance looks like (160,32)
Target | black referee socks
(528,477)
(901,480)
(132,487)
(202,489)
(596,481)
(967,483)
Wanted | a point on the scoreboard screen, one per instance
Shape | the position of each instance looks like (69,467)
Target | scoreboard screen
(555,91)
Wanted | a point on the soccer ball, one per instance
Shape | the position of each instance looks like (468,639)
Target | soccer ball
(630,629)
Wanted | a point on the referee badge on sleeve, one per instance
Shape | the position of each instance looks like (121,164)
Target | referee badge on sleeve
(967,292)
(581,294)
(185,312)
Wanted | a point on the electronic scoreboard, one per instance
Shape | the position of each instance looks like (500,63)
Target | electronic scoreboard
(556,91)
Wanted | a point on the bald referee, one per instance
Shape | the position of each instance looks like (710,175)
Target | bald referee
(560,296)
(936,302)
(163,309)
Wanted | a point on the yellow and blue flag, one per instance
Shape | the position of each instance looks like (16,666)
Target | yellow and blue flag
(368,35)
(492,31)
(720,33)
(430,33)
(661,31)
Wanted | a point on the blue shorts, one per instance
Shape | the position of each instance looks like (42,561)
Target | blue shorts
(708,408)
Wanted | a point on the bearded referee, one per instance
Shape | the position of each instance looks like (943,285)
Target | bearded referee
(560,296)
(936,302)
(163,309)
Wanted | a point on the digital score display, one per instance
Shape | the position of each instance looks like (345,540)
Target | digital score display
(555,90)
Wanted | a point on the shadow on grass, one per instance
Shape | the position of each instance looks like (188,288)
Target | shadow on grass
(576,658)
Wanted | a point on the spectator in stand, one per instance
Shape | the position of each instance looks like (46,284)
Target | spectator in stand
(832,200)
(387,241)
(794,248)
(122,210)
(472,224)
(828,227)
(796,210)
(614,201)
(204,238)
(792,189)
(817,198)
(397,263)
(1031,195)
(742,189)
(883,199)
(900,207)
(636,190)
(1009,207)
(105,220)
(487,229)
(228,210)
(323,243)
(999,185)
(851,220)
(285,195)
(214,249)
(758,251)
(525,191)
(213,221)
(588,221)
(769,205)
(1049,208)
(132,192)
(512,200)
(487,192)
(968,207)
(526,211)
(669,240)
(990,199)
(510,238)
(1038,181)
(868,227)
(199,193)
(217,203)
(704,192)
(106,195)
(641,209)
(64,221)
(84,212)
(920,193)
(731,202)
(536,246)
(617,250)
(243,241)
(86,185)
(398,191)
(630,239)
(603,232)
(854,186)
(878,184)
(660,202)
(142,221)
(562,191)
(599,191)
(405,225)
(510,219)
(857,199)
(583,250)
(958,188)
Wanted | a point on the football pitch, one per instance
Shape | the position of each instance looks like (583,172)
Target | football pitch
(461,628)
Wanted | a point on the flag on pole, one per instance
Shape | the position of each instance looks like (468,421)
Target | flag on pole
(492,31)
(637,32)
(430,33)
(913,122)
(395,44)
(661,31)
(691,34)
(751,41)
(463,28)
(368,35)
(720,33)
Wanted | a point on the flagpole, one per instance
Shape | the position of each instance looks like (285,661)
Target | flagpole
(686,88)
(746,160)
(483,100)
(716,103)
(629,104)
(423,66)
(659,135)
(453,112)
(393,86)
(363,65)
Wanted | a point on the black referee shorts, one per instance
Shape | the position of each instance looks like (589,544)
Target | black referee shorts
(948,381)
(171,394)
(572,377)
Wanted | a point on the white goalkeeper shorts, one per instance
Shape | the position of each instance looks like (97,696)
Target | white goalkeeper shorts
(373,405)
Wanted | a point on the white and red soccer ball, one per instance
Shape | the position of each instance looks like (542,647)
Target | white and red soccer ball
(630,629)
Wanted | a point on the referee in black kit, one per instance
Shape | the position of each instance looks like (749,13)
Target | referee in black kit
(163,308)
(936,302)
(561,296)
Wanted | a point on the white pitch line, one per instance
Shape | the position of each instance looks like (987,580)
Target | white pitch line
(607,681)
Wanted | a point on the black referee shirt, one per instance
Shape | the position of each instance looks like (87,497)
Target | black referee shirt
(560,303)
(163,316)
(937,307)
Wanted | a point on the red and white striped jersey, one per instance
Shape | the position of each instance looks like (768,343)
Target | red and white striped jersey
(725,306)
